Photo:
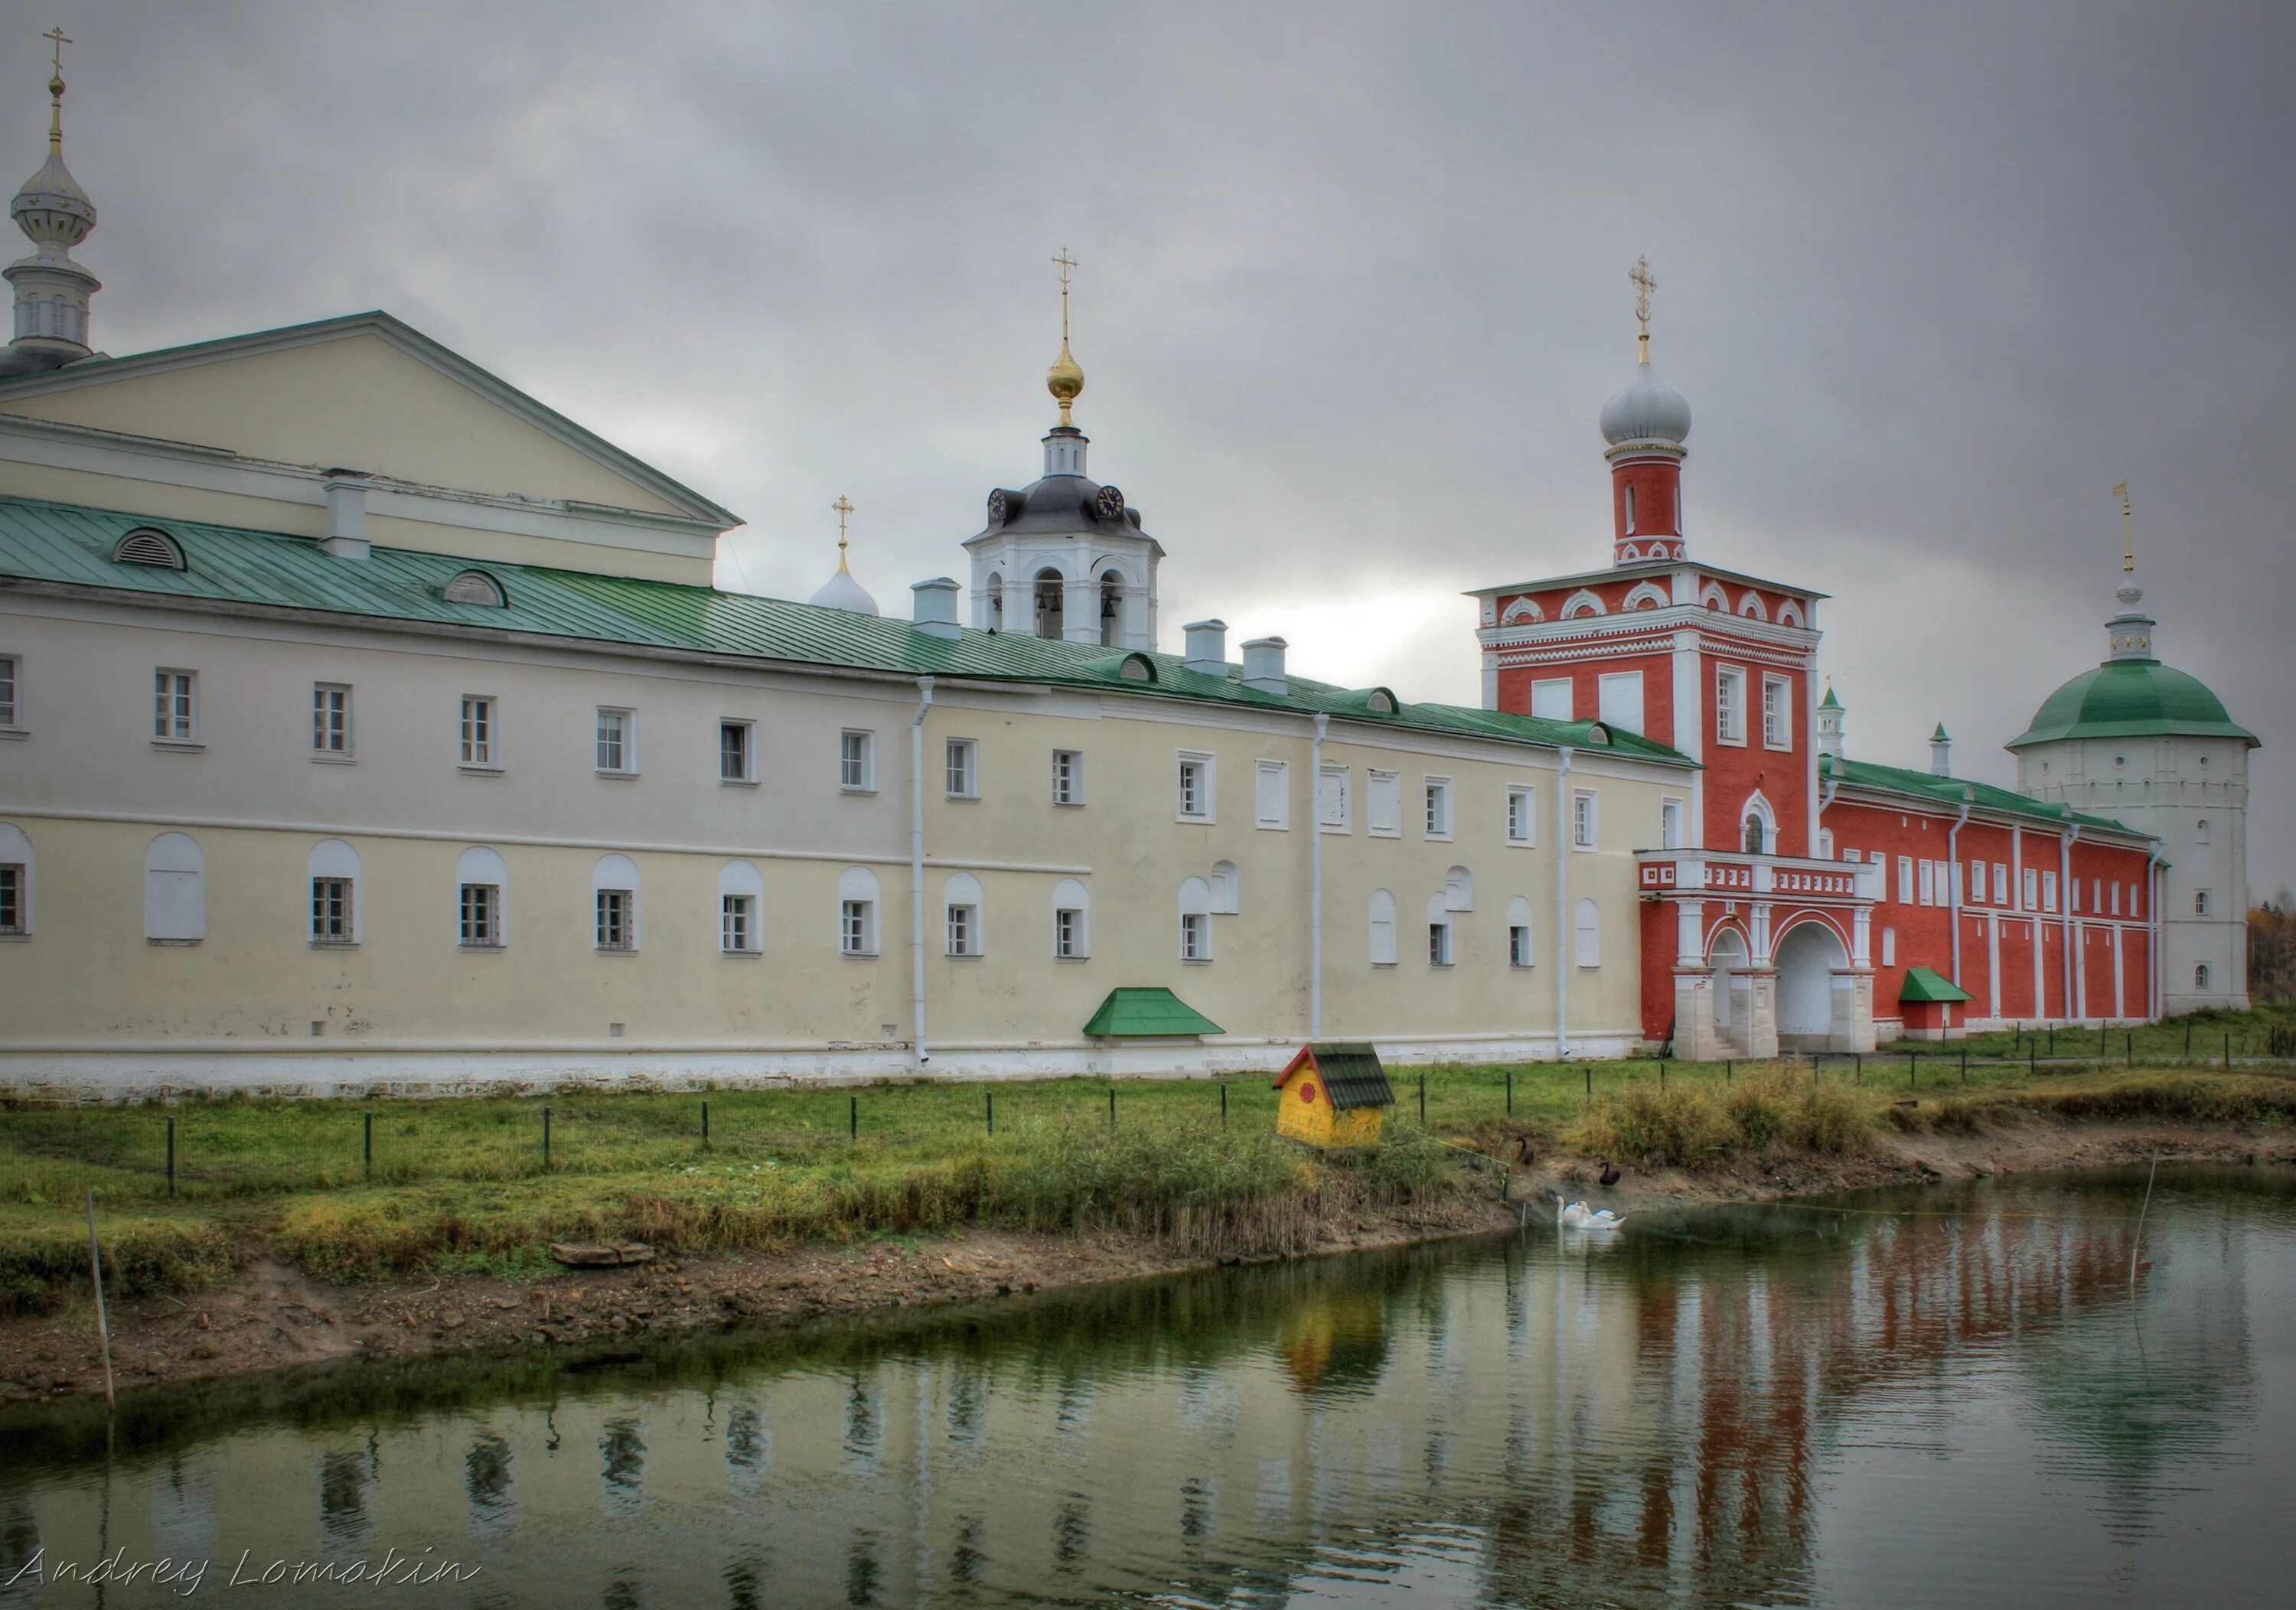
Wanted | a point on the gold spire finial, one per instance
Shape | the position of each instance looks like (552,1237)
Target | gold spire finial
(1065,379)
(843,507)
(56,90)
(2127,530)
(1639,277)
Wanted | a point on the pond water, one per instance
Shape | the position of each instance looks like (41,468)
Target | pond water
(1949,1395)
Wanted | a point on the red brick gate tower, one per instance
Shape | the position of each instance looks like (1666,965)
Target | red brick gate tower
(1752,941)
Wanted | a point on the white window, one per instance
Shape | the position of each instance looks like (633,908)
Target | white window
(2199,902)
(1519,950)
(1777,712)
(480,878)
(1889,947)
(1439,808)
(1629,501)
(1195,920)
(1271,794)
(2097,895)
(741,908)
(1193,787)
(856,911)
(1068,777)
(618,741)
(1952,871)
(174,706)
(2200,831)
(1332,800)
(477,731)
(1383,804)
(1382,928)
(1618,700)
(1729,705)
(1550,700)
(1438,942)
(2115,899)
(331,719)
(1522,814)
(2032,890)
(961,907)
(1587,935)
(2048,891)
(737,752)
(2201,976)
(1586,824)
(2132,899)
(1977,882)
(15,881)
(1227,889)
(175,890)
(614,892)
(962,765)
(333,870)
(1928,870)
(12,684)
(1905,880)
(1825,843)
(2001,895)
(1072,921)
(857,762)
(1669,824)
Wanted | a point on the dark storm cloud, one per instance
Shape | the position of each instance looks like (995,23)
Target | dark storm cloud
(1933,280)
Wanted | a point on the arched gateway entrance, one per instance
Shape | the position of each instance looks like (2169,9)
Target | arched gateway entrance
(1808,958)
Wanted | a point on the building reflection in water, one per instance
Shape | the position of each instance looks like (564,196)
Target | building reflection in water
(1664,1416)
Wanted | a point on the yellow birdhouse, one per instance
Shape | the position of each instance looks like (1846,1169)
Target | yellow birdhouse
(1333,1095)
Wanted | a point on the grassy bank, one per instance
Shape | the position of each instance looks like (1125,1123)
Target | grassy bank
(366,1189)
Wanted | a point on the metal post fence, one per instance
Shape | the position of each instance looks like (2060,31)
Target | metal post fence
(705,1123)
(989,1100)
(1590,1085)
(171,1157)
(1223,1103)
(1111,1106)
(366,1142)
(546,1139)
(853,1118)
(1510,1092)
(1423,1100)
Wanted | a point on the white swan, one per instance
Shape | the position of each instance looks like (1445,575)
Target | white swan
(1576,1215)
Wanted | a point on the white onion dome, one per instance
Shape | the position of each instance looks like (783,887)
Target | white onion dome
(52,208)
(1644,411)
(842,591)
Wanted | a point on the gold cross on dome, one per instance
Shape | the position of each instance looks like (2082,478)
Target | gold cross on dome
(57,34)
(2127,530)
(1066,262)
(843,507)
(1639,277)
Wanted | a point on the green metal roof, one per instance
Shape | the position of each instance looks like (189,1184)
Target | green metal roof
(65,543)
(1133,1011)
(1932,790)
(2132,699)
(1923,984)
(1351,1074)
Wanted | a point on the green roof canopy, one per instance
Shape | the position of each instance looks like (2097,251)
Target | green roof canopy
(2131,699)
(1923,984)
(1352,1073)
(1135,1011)
(1945,792)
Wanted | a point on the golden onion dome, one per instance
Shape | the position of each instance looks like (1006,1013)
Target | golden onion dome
(1065,380)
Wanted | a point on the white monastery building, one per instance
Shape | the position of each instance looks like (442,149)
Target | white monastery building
(366,724)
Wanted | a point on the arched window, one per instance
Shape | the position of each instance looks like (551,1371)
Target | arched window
(1521,609)
(482,881)
(15,881)
(1227,889)
(995,618)
(741,908)
(175,890)
(614,897)
(1588,935)
(1382,928)
(1439,930)
(2200,831)
(1072,921)
(1521,950)
(1051,595)
(336,896)
(1788,614)
(856,911)
(1112,609)
(1757,843)
(1581,602)
(1751,605)
(2201,976)
(1459,889)
(961,909)
(1195,920)
(1647,595)
(1630,511)
(1712,596)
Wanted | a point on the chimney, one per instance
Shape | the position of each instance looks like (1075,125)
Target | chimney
(346,535)
(1263,665)
(935,612)
(1207,647)
(1940,753)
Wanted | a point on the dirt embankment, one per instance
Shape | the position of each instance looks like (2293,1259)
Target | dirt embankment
(271,1317)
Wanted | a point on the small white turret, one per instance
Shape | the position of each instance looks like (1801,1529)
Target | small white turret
(52,291)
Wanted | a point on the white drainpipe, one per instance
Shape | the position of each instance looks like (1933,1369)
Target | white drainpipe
(2065,909)
(917,866)
(1562,952)
(1953,878)
(1315,879)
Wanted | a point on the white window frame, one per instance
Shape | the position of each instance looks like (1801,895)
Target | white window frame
(1889,947)
(487,933)
(744,774)
(856,761)
(1976,882)
(856,927)
(1436,797)
(961,926)
(625,741)
(1440,941)
(961,768)
(2003,895)
(2048,891)
(333,738)
(1905,880)
(1543,692)
(1730,705)
(2030,891)
(614,920)
(1587,934)
(2201,975)
(1521,953)
(1279,774)
(1380,914)
(1383,803)
(2116,896)
(1195,786)
(1523,815)
(737,924)
(1671,816)
(175,890)
(478,734)
(1343,794)
(1195,936)
(332,927)
(175,708)
(1777,700)
(17,924)
(1926,873)
(2200,898)
(1068,777)
(1618,700)
(1586,819)
(11,695)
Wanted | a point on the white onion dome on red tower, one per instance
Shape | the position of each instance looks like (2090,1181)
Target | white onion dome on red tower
(1646,411)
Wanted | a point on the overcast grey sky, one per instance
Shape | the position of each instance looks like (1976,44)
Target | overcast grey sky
(1933,278)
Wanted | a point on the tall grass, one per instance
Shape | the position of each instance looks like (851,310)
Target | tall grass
(1769,1109)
